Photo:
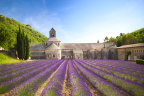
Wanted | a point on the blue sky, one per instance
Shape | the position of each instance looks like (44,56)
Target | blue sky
(77,20)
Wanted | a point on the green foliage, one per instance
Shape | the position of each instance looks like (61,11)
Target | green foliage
(129,38)
(127,54)
(23,45)
(3,89)
(8,32)
(112,40)
(4,59)
(139,61)
(106,39)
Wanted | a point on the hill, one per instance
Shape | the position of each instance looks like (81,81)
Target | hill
(129,38)
(9,28)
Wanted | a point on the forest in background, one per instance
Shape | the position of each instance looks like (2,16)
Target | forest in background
(129,38)
(8,33)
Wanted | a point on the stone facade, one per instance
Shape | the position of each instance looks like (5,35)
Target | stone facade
(137,51)
(54,49)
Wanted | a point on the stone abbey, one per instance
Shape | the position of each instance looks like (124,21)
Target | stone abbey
(54,49)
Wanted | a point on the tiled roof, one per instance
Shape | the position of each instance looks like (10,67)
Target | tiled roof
(132,45)
(52,39)
(77,46)
(85,45)
(52,46)
(37,46)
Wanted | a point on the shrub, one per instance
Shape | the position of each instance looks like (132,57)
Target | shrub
(139,61)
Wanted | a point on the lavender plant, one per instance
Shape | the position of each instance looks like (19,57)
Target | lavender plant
(54,87)
(79,88)
(29,87)
(106,87)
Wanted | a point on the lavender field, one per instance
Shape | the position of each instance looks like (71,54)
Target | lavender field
(72,78)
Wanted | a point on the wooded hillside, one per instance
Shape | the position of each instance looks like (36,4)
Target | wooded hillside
(129,38)
(8,32)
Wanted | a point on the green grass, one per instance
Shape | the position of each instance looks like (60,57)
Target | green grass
(4,59)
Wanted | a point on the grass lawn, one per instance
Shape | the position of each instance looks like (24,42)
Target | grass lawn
(4,59)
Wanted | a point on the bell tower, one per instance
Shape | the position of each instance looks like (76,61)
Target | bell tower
(52,33)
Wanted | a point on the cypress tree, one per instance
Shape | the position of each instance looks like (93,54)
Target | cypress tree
(23,45)
(18,33)
(19,43)
(27,48)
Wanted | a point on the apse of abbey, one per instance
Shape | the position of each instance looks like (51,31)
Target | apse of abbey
(54,49)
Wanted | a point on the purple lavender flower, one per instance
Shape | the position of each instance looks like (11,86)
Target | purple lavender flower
(54,87)
(107,88)
(29,87)
(79,88)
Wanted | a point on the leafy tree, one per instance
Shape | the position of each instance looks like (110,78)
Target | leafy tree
(121,34)
(6,37)
(28,25)
(127,54)
(97,41)
(119,41)
(106,39)
(112,40)
(129,38)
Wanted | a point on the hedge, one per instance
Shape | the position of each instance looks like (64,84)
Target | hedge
(139,61)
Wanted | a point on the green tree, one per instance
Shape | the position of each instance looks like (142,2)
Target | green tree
(119,41)
(106,39)
(129,39)
(112,40)
(27,55)
(23,45)
(19,43)
(6,38)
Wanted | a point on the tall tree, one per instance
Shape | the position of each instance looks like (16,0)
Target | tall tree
(112,40)
(27,55)
(106,39)
(19,43)
(23,45)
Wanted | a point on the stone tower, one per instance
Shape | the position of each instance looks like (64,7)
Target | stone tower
(52,33)
(52,46)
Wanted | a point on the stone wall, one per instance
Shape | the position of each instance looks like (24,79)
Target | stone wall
(113,54)
(92,54)
(9,53)
(53,54)
(136,53)
(67,54)
(38,54)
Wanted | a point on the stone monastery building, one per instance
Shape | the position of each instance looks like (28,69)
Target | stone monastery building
(54,49)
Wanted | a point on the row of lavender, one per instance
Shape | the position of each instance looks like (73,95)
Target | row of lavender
(21,73)
(25,79)
(78,86)
(99,68)
(126,70)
